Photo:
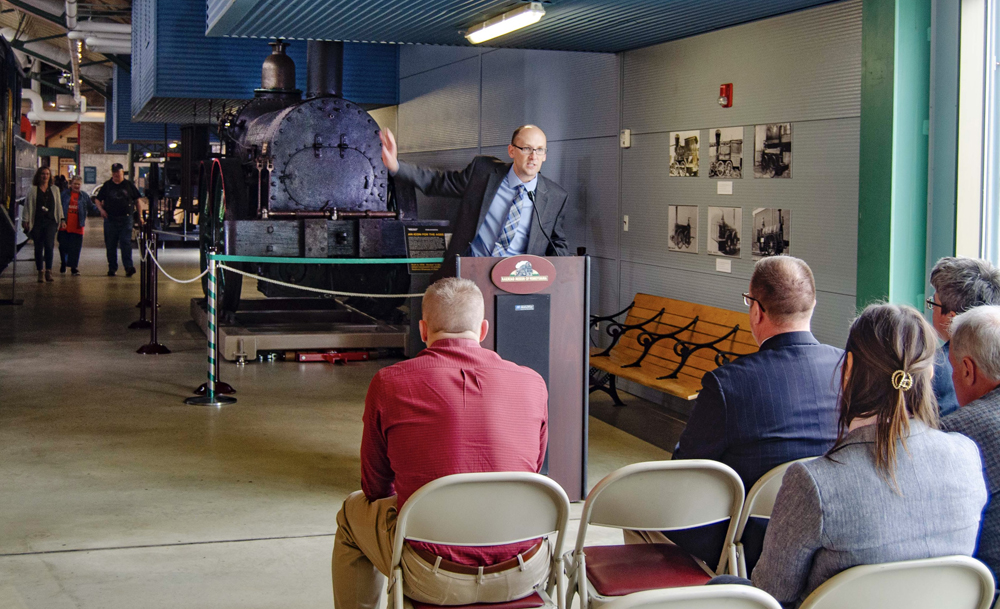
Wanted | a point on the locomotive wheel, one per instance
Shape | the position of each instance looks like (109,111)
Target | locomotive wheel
(225,198)
(729,169)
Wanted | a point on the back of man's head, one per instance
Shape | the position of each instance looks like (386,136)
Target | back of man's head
(976,334)
(963,283)
(453,306)
(785,288)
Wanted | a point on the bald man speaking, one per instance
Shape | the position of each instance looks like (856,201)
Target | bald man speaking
(506,209)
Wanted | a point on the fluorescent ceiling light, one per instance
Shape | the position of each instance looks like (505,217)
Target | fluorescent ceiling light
(506,23)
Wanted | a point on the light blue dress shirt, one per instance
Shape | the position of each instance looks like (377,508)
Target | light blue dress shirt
(486,238)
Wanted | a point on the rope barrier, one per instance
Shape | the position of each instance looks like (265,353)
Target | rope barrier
(169,276)
(317,290)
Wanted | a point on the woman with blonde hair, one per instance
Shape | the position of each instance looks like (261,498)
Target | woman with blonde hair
(893,487)
(42,218)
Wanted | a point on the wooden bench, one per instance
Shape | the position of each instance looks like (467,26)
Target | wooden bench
(667,345)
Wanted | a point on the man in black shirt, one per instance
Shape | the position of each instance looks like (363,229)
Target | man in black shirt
(116,201)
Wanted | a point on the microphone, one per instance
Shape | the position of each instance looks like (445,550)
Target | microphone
(531,197)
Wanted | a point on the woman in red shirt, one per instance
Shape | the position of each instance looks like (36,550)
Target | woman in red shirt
(76,204)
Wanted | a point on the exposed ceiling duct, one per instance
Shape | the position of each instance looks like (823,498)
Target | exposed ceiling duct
(39,113)
(55,56)
(107,37)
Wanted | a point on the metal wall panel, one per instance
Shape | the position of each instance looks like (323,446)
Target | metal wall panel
(417,58)
(801,66)
(439,109)
(568,95)
(439,208)
(125,130)
(177,63)
(822,196)
(604,277)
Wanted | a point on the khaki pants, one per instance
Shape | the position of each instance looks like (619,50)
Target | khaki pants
(362,554)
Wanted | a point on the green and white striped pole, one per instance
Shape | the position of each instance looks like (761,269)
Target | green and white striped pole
(211,398)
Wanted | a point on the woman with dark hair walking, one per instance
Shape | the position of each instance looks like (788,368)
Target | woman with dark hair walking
(893,487)
(43,217)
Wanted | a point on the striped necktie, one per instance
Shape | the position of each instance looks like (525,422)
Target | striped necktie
(510,225)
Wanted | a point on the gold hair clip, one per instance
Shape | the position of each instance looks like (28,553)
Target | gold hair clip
(902,380)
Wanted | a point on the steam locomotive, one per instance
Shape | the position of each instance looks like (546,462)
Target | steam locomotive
(305,178)
(10,101)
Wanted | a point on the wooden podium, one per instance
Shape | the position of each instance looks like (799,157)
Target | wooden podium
(538,309)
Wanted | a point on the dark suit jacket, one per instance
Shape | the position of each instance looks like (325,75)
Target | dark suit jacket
(476,185)
(980,420)
(767,408)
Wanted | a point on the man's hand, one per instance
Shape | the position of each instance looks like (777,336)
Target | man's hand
(100,208)
(389,151)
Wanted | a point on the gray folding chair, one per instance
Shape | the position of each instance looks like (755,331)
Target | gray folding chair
(726,596)
(485,509)
(955,582)
(759,504)
(654,496)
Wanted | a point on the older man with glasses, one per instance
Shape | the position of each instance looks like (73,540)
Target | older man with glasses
(506,209)
(960,284)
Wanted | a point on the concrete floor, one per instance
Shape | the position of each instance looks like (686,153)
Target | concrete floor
(117,495)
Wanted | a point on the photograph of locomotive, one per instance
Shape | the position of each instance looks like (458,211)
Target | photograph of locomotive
(725,152)
(771,232)
(303,178)
(684,153)
(772,146)
(724,227)
(684,232)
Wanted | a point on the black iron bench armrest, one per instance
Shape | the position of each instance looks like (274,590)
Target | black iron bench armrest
(685,349)
(617,329)
(647,339)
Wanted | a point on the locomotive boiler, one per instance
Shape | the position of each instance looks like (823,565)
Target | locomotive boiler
(304,178)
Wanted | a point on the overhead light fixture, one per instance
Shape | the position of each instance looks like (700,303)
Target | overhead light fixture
(172,145)
(149,154)
(506,23)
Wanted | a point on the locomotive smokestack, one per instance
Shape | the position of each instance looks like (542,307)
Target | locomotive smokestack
(325,69)
(278,71)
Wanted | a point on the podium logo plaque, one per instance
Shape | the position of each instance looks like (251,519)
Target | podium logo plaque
(523,274)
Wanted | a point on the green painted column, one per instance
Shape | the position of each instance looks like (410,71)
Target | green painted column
(892,193)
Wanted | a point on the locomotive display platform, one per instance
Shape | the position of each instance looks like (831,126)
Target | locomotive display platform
(290,324)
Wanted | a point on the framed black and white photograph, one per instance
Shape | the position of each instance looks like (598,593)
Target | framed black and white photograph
(725,153)
(684,153)
(724,227)
(772,229)
(772,151)
(683,221)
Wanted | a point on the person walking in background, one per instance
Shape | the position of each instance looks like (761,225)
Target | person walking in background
(116,201)
(75,205)
(61,183)
(42,217)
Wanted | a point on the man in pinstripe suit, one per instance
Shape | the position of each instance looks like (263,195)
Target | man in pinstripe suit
(776,405)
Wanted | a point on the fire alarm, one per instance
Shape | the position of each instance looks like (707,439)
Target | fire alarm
(726,95)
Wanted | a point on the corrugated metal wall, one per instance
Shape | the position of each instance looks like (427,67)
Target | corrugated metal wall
(124,129)
(803,68)
(176,66)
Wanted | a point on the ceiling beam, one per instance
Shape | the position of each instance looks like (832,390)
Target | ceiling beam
(24,7)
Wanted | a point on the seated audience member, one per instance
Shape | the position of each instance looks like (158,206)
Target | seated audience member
(893,488)
(776,405)
(975,358)
(454,408)
(959,285)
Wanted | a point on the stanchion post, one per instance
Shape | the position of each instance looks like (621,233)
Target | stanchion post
(153,347)
(142,323)
(212,396)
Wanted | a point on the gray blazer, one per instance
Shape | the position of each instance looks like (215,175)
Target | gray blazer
(476,185)
(836,512)
(980,420)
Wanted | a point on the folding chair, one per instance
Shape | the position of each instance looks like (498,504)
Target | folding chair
(759,504)
(654,496)
(955,582)
(485,509)
(725,596)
